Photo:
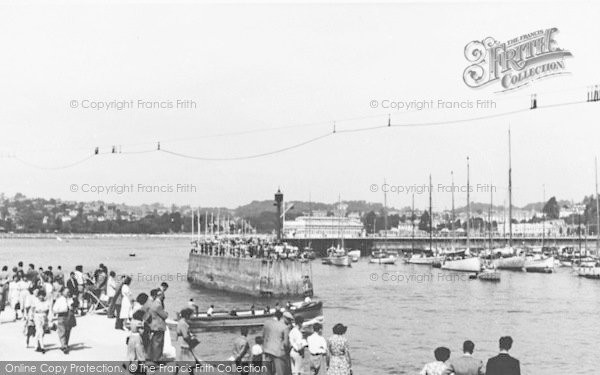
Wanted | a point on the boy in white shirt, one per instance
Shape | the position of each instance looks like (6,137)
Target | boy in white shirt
(317,346)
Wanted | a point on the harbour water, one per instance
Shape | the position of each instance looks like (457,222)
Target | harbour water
(396,314)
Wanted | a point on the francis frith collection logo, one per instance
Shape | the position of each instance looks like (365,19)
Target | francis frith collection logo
(515,63)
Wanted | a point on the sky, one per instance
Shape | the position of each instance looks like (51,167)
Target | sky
(290,71)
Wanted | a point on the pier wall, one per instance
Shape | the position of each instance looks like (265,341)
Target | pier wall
(248,275)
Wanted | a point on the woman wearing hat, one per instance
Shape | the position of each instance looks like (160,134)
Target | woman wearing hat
(338,352)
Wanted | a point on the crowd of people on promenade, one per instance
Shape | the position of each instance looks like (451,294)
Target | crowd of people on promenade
(288,349)
(467,364)
(49,300)
(45,300)
(250,247)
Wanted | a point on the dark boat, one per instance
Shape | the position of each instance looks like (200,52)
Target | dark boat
(312,312)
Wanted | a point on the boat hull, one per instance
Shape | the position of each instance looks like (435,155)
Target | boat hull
(340,261)
(313,313)
(515,263)
(540,266)
(386,260)
(490,275)
(589,272)
(424,260)
(463,265)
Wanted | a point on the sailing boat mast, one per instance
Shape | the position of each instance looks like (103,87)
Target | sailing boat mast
(468,207)
(430,217)
(543,217)
(597,210)
(340,221)
(453,216)
(412,220)
(385,216)
(510,238)
(490,216)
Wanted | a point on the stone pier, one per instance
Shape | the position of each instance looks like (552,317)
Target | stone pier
(253,276)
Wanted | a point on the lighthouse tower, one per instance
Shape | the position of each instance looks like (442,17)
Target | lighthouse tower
(279,204)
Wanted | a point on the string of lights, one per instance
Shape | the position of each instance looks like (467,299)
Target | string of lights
(593,95)
(592,91)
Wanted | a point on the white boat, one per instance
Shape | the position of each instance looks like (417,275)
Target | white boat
(354,255)
(340,260)
(511,263)
(566,262)
(422,259)
(381,257)
(472,264)
(503,251)
(337,257)
(540,265)
(589,272)
(584,262)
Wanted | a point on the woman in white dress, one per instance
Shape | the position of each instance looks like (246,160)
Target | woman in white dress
(13,293)
(22,292)
(125,313)
(41,314)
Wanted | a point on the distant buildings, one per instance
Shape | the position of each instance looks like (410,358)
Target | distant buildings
(549,228)
(323,227)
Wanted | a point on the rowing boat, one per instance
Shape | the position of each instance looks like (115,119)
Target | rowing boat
(312,312)
(489,275)
(382,257)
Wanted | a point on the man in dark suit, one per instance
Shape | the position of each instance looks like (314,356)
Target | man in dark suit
(158,326)
(503,363)
(276,344)
(466,364)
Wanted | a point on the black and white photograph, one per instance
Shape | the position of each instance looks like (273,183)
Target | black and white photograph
(299,188)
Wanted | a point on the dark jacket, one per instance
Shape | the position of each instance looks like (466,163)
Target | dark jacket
(503,364)
(158,315)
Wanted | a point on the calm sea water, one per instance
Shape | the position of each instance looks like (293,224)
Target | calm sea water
(393,325)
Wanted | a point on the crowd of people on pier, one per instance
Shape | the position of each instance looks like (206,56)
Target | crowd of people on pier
(245,248)
(467,364)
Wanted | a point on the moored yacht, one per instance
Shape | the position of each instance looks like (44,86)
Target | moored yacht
(543,265)
(382,257)
(337,256)
(469,264)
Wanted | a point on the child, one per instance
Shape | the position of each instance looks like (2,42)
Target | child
(257,351)
(29,329)
(135,346)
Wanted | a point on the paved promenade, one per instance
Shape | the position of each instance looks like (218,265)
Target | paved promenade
(93,339)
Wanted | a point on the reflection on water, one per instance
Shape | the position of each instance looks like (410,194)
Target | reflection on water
(393,325)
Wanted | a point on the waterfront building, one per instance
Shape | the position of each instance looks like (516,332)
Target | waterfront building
(323,227)
(551,228)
